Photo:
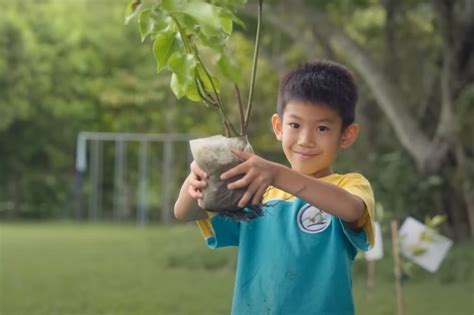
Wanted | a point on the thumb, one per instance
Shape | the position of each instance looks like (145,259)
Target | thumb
(242,154)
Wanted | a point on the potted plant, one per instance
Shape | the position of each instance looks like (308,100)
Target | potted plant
(181,30)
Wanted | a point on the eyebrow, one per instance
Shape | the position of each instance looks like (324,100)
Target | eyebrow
(317,120)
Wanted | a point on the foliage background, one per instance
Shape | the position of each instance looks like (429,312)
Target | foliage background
(69,66)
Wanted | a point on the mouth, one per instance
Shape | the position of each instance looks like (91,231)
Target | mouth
(305,155)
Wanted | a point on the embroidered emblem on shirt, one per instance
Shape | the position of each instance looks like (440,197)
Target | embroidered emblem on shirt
(312,220)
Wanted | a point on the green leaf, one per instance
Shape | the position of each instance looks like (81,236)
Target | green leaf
(435,221)
(182,80)
(417,250)
(215,42)
(183,65)
(153,21)
(132,9)
(211,19)
(226,18)
(229,3)
(206,80)
(192,92)
(238,21)
(166,43)
(178,89)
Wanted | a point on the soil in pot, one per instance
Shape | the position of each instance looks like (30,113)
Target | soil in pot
(214,156)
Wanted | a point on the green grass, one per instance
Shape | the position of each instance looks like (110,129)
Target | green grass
(122,269)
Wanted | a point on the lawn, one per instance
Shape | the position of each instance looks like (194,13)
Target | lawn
(87,269)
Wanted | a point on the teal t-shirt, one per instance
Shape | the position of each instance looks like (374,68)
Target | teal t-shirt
(296,259)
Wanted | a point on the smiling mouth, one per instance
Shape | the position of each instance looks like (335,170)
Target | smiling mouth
(305,154)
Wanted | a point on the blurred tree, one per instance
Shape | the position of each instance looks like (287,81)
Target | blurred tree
(66,67)
(69,66)
(416,59)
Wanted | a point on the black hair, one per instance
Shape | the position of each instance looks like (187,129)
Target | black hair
(323,82)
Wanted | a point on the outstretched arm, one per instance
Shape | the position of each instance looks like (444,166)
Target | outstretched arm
(260,173)
(186,206)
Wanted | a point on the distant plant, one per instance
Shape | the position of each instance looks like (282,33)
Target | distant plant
(428,236)
(425,239)
(189,40)
(183,32)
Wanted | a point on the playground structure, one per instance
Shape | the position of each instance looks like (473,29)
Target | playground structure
(148,178)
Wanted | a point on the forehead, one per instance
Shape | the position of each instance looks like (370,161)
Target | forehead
(311,112)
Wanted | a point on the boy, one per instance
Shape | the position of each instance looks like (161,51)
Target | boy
(297,257)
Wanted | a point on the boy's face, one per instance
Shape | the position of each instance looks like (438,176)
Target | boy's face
(311,135)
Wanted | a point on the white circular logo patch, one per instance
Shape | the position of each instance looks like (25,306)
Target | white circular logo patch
(312,220)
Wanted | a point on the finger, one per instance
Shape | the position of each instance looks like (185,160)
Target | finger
(258,196)
(194,193)
(248,195)
(236,170)
(200,203)
(241,183)
(197,183)
(242,154)
(197,170)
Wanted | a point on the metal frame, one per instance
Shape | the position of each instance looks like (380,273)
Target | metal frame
(120,166)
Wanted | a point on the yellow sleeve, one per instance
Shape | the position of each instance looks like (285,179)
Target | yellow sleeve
(219,231)
(205,227)
(358,185)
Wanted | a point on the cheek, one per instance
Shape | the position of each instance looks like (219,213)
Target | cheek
(290,132)
(288,137)
(330,143)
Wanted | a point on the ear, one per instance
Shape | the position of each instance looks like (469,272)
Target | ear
(277,126)
(349,135)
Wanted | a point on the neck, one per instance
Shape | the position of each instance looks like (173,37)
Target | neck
(322,173)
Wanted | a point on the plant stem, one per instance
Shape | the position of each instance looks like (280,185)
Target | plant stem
(254,66)
(241,109)
(183,35)
(226,128)
(208,100)
(203,93)
(206,97)
(227,123)
(226,120)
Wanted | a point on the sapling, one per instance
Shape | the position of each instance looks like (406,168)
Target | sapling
(181,31)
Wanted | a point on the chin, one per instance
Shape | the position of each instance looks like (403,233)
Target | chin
(306,170)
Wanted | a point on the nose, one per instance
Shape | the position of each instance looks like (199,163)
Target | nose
(306,138)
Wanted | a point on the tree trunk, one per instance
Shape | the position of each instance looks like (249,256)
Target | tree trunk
(385,91)
(429,153)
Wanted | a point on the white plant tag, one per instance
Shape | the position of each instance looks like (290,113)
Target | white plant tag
(422,245)
(376,252)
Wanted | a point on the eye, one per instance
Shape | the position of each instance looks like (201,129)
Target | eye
(294,125)
(322,129)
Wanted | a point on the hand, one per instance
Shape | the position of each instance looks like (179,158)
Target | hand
(197,182)
(259,174)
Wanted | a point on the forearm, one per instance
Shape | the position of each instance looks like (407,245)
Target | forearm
(185,207)
(325,196)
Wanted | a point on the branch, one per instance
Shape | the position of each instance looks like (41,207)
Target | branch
(386,93)
(220,107)
(445,126)
(241,110)
(254,67)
